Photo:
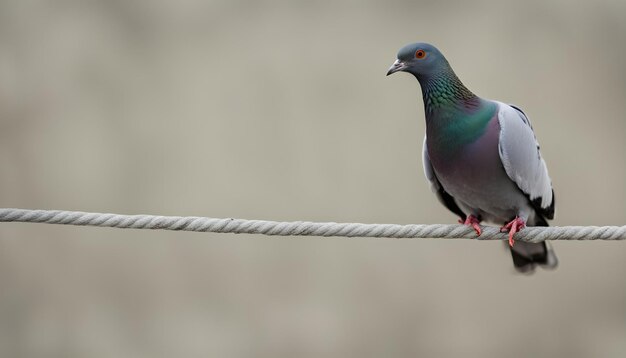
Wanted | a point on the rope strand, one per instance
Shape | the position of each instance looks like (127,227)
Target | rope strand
(305,228)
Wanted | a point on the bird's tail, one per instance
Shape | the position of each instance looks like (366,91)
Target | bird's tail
(527,255)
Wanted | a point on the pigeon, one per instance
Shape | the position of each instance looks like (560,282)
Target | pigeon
(481,157)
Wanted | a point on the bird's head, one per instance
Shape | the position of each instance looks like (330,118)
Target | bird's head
(420,59)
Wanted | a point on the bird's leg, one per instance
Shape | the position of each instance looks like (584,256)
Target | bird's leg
(512,227)
(473,222)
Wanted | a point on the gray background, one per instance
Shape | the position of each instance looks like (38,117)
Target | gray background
(281,111)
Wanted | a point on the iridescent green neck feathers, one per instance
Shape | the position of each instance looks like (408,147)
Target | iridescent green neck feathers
(454,115)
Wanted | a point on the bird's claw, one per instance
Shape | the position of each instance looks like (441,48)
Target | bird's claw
(512,227)
(472,222)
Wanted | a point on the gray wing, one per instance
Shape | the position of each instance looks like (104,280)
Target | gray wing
(446,199)
(522,161)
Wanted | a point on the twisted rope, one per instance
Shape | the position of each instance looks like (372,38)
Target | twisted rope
(305,228)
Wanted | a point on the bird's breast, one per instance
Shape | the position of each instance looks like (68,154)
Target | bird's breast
(472,162)
(473,172)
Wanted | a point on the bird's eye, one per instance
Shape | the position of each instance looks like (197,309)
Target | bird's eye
(420,54)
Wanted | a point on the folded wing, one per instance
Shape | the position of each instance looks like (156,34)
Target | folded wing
(522,161)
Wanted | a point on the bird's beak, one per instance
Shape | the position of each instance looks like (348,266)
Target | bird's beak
(397,66)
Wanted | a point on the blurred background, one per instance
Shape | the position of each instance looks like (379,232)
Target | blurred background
(281,110)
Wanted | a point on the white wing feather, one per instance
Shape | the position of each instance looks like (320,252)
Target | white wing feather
(428,169)
(520,155)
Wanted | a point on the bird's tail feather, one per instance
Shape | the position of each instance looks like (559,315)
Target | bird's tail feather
(527,255)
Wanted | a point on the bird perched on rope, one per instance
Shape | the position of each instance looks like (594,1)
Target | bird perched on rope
(480,156)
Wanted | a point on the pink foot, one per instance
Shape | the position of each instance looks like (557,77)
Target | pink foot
(473,222)
(512,227)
